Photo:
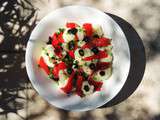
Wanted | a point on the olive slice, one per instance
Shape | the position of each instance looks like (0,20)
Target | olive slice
(81,52)
(92,66)
(102,73)
(86,88)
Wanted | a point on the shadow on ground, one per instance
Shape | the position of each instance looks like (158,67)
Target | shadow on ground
(17,19)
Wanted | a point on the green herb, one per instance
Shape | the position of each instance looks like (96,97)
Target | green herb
(69,70)
(61,29)
(51,76)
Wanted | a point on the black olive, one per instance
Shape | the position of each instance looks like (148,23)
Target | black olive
(92,66)
(71,45)
(86,39)
(95,36)
(69,71)
(102,73)
(49,40)
(72,31)
(81,52)
(95,50)
(86,88)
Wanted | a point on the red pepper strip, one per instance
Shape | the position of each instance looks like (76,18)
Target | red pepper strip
(71,54)
(76,37)
(43,65)
(88,29)
(100,55)
(98,42)
(60,37)
(71,25)
(102,65)
(79,86)
(97,85)
(58,51)
(58,67)
(68,88)
(57,38)
(55,41)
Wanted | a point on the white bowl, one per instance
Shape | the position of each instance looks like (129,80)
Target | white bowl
(47,88)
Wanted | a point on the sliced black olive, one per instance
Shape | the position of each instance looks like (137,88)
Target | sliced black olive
(95,36)
(81,52)
(95,50)
(49,40)
(71,45)
(86,88)
(69,71)
(102,73)
(86,39)
(72,31)
(92,66)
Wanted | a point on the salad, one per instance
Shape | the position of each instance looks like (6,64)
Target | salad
(78,58)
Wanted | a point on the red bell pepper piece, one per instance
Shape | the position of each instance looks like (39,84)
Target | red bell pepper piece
(71,54)
(88,29)
(100,55)
(58,51)
(98,42)
(60,37)
(43,65)
(97,85)
(102,65)
(68,88)
(76,37)
(57,38)
(79,86)
(71,25)
(58,67)
(54,39)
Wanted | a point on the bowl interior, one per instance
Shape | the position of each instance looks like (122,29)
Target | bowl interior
(47,88)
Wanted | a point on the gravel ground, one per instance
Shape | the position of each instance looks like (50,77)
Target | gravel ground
(144,104)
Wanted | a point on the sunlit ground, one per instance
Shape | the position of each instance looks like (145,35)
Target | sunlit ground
(19,101)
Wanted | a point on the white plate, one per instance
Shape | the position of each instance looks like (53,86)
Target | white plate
(46,87)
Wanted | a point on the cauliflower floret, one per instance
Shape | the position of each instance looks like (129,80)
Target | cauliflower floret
(87,89)
(102,74)
(50,50)
(62,79)
(68,37)
(97,29)
(80,33)
(47,59)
